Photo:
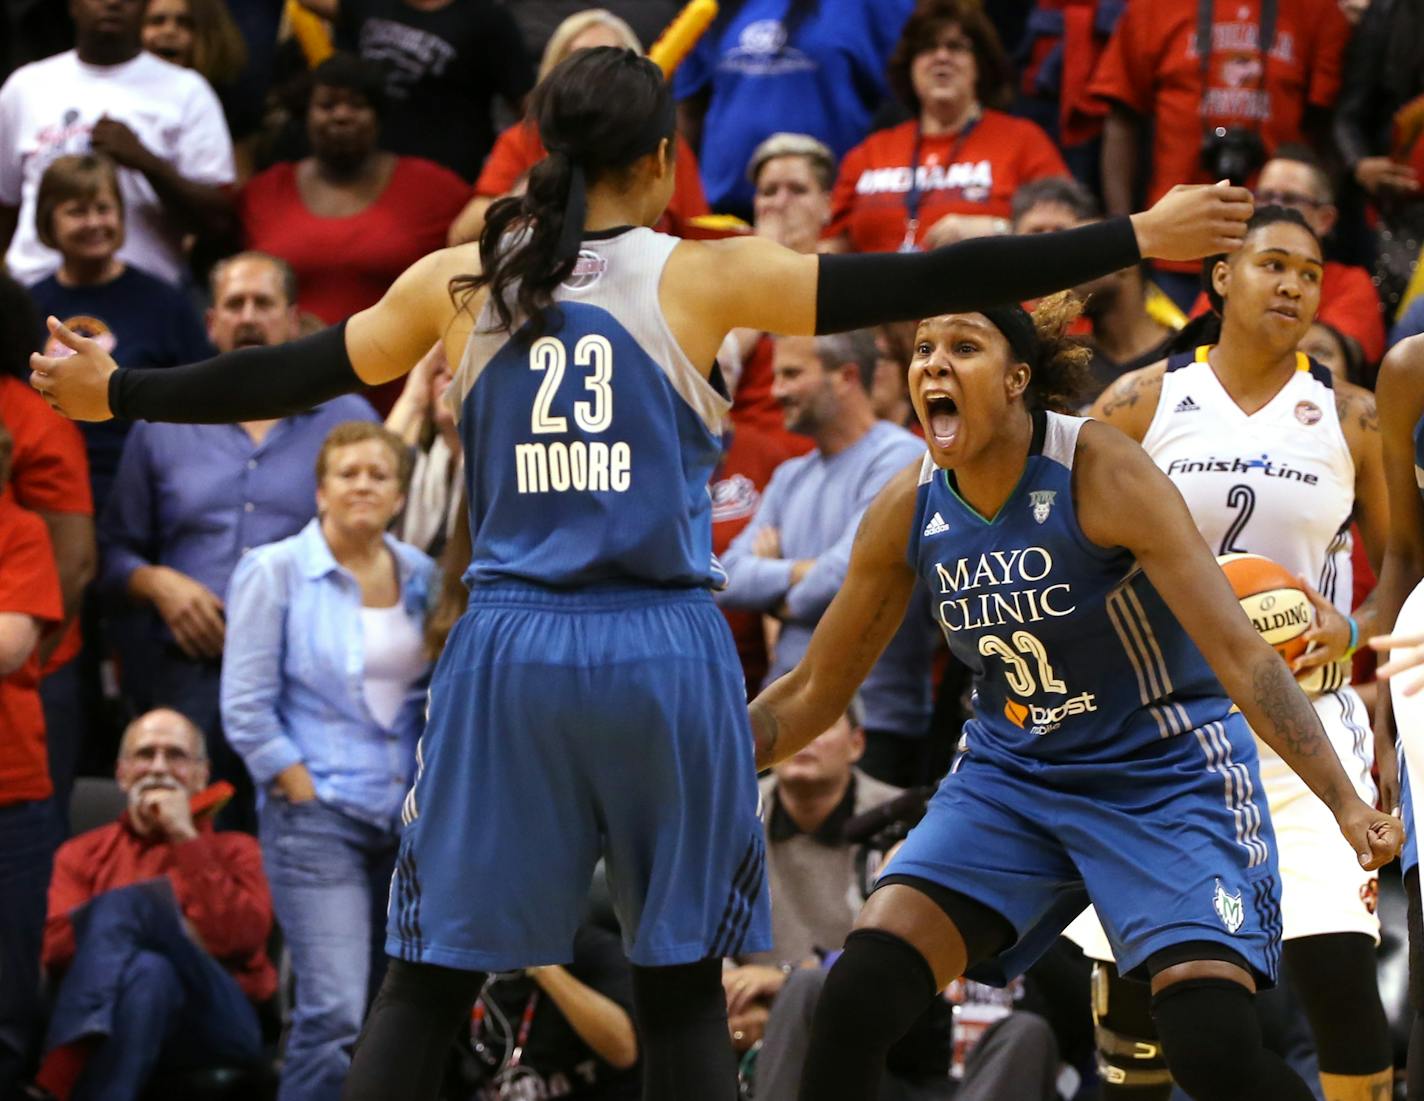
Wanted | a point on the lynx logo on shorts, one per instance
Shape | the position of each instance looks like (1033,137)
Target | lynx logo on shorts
(1042,500)
(1229,908)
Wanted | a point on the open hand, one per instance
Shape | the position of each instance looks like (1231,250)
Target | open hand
(1385,174)
(192,611)
(745,986)
(1405,652)
(1328,638)
(76,384)
(1194,220)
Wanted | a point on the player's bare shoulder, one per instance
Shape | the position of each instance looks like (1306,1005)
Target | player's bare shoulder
(1130,403)
(1358,412)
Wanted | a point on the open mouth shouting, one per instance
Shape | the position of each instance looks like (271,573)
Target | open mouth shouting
(942,417)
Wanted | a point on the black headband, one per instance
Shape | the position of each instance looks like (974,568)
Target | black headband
(1017,326)
(659,127)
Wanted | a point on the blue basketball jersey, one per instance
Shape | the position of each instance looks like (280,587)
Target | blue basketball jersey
(1076,658)
(588,449)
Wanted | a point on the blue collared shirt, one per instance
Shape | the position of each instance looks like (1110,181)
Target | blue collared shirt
(196,496)
(294,670)
(815,502)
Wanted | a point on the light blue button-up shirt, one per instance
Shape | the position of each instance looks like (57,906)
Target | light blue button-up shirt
(294,670)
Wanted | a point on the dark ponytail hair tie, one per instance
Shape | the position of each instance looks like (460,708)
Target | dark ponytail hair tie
(575,209)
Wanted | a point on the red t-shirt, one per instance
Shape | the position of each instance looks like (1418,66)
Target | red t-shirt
(1151,66)
(344,265)
(519,149)
(736,488)
(975,171)
(29,585)
(1349,304)
(217,878)
(49,471)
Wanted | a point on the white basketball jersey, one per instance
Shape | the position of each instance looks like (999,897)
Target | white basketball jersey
(1279,482)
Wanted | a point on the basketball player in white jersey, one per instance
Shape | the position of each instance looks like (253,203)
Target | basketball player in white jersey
(1274,458)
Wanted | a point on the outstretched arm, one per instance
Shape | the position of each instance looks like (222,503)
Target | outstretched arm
(754,283)
(380,343)
(1124,500)
(850,637)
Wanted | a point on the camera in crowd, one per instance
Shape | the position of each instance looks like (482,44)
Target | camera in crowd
(1232,153)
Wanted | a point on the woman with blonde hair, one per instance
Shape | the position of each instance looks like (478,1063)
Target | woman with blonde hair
(323,694)
(518,149)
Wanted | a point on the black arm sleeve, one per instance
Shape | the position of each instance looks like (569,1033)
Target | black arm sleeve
(854,292)
(246,385)
(1357,110)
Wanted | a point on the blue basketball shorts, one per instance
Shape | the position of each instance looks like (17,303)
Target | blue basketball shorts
(1174,845)
(565,727)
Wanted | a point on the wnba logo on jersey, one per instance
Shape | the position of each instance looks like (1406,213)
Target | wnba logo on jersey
(1228,907)
(588,270)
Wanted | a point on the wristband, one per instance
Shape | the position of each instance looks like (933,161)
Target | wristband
(1354,637)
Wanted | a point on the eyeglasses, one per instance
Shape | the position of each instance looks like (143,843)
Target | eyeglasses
(1292,199)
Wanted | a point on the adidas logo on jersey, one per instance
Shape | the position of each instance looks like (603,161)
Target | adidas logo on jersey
(936,526)
(1186,405)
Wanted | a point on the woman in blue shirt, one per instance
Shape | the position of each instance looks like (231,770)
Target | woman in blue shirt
(323,695)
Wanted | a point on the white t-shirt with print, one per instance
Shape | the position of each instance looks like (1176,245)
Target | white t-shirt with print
(49,107)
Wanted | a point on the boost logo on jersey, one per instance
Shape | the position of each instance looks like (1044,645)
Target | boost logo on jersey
(1045,720)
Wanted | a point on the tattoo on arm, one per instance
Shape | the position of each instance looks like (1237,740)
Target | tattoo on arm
(766,728)
(1125,393)
(1359,408)
(1298,735)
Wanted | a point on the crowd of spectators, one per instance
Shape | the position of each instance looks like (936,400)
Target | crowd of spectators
(227,630)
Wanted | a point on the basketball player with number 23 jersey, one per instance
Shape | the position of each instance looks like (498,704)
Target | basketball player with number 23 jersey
(1275,457)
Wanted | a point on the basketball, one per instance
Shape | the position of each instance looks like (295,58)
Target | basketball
(1272,599)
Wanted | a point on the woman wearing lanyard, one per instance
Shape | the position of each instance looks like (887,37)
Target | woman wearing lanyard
(951,171)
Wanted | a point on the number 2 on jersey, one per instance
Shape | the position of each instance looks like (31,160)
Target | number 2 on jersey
(1242,498)
(549,356)
(1017,669)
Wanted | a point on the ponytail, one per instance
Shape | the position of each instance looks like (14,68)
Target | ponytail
(598,111)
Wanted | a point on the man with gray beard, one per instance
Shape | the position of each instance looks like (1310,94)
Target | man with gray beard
(157,930)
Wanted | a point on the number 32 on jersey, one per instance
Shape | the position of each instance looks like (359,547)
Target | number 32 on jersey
(581,465)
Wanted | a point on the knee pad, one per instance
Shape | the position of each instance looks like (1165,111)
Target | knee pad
(875,990)
(1129,1054)
(1211,1037)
